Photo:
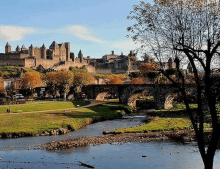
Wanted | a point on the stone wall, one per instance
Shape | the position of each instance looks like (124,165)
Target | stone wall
(30,62)
(14,62)
(37,53)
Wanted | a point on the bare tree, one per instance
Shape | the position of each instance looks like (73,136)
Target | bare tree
(189,32)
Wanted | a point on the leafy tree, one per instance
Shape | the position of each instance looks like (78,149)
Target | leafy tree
(30,80)
(64,81)
(134,75)
(50,79)
(137,80)
(149,71)
(115,79)
(81,77)
(187,30)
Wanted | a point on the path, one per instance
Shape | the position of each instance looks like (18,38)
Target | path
(92,103)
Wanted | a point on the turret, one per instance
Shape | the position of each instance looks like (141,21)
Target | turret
(23,48)
(67,46)
(43,52)
(31,49)
(18,49)
(7,48)
(72,56)
(80,56)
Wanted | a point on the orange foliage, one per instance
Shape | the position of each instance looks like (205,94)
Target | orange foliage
(147,67)
(137,80)
(64,77)
(116,79)
(92,80)
(50,78)
(30,80)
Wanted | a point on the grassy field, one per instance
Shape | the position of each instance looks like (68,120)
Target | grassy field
(163,120)
(158,124)
(41,106)
(37,123)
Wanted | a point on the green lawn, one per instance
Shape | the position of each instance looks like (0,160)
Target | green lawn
(41,106)
(36,123)
(158,124)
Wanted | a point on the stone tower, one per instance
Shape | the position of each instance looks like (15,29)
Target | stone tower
(67,46)
(43,52)
(23,48)
(18,49)
(72,56)
(7,48)
(31,49)
(80,56)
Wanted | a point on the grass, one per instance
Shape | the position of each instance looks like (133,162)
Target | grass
(165,120)
(42,106)
(159,124)
(112,100)
(37,123)
(13,71)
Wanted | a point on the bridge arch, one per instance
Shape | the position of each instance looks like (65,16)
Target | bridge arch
(132,99)
(168,104)
(102,95)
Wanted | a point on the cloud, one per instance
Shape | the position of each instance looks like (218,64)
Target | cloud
(14,33)
(83,33)
(125,45)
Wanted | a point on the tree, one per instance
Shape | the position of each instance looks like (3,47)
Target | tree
(81,77)
(149,71)
(115,79)
(64,81)
(51,81)
(187,31)
(137,80)
(30,80)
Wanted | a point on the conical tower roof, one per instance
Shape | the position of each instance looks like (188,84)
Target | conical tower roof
(53,45)
(7,44)
(43,46)
(31,46)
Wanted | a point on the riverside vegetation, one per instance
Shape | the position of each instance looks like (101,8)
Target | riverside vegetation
(41,123)
(172,124)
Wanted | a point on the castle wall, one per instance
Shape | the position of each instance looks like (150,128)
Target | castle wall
(103,71)
(46,63)
(14,62)
(62,52)
(90,69)
(56,50)
(9,56)
(29,63)
(37,53)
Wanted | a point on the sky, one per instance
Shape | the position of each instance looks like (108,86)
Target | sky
(95,26)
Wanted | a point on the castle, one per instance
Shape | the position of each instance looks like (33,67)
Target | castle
(58,57)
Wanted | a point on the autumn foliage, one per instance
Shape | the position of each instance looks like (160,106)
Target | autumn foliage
(115,79)
(145,68)
(137,80)
(30,80)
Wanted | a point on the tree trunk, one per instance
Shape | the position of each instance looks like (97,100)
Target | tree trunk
(208,163)
(64,96)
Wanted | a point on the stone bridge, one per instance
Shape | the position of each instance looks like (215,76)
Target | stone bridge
(127,93)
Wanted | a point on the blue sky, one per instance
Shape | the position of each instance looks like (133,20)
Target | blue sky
(95,26)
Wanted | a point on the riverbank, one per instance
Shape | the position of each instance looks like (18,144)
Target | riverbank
(54,123)
(181,135)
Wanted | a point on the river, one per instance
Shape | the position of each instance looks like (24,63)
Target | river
(25,152)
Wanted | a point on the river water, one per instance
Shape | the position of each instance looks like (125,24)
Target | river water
(24,152)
